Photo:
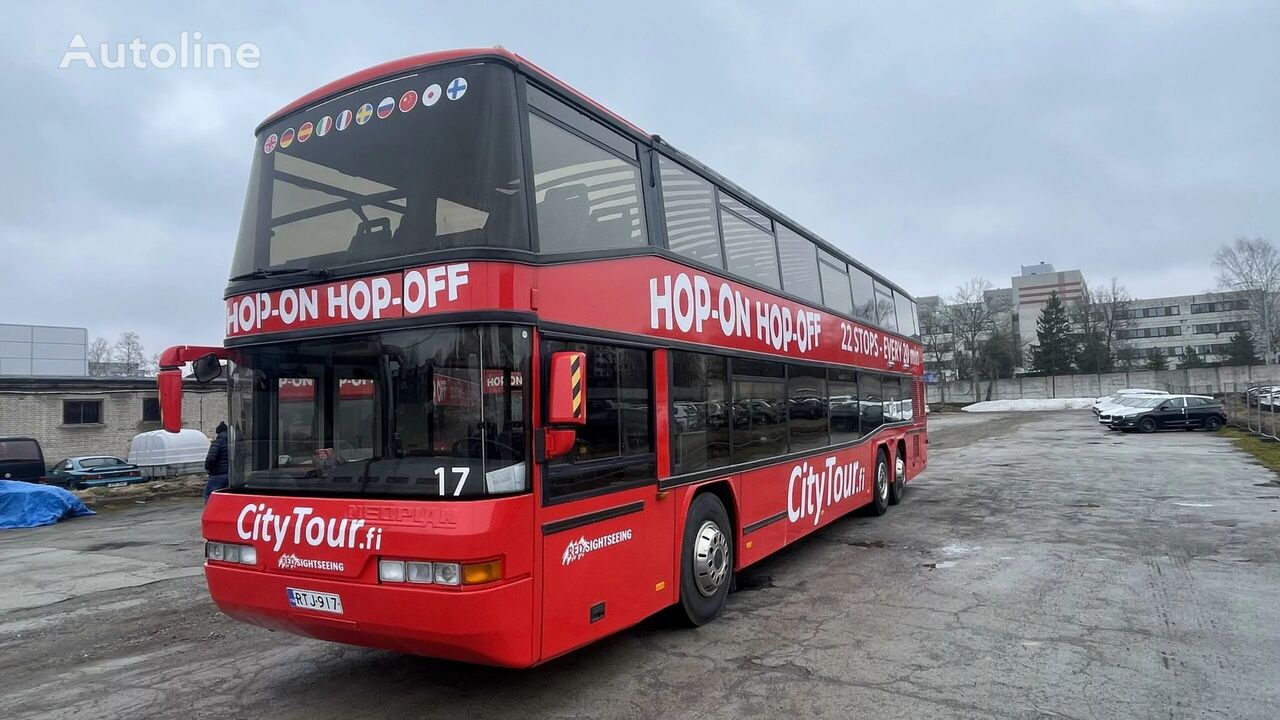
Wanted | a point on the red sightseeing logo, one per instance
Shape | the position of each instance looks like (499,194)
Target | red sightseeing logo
(293,562)
(578,549)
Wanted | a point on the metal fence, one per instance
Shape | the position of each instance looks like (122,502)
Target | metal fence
(1254,408)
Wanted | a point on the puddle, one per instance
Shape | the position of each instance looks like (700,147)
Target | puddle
(865,543)
(1084,505)
(748,583)
(1269,497)
(938,565)
(953,550)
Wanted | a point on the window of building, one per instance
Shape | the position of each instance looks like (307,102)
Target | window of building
(870,402)
(885,311)
(799,258)
(150,409)
(689,204)
(807,407)
(587,197)
(701,412)
(615,447)
(864,296)
(1219,306)
(81,412)
(843,388)
(759,410)
(749,251)
(835,283)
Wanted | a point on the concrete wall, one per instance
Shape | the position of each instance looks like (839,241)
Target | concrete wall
(39,415)
(1200,380)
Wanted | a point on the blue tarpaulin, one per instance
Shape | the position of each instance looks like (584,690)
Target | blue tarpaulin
(24,505)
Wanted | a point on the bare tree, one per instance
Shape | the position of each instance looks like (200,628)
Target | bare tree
(1100,314)
(129,351)
(934,335)
(99,355)
(970,316)
(1252,265)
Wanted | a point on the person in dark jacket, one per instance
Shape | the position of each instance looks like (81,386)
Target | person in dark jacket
(216,463)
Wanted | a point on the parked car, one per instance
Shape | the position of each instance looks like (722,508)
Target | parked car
(21,459)
(78,473)
(1180,412)
(1119,395)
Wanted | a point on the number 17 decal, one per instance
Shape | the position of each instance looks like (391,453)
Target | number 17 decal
(462,472)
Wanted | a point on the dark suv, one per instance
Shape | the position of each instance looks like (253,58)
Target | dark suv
(1184,412)
(21,459)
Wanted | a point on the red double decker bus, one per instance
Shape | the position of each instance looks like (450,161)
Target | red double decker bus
(507,374)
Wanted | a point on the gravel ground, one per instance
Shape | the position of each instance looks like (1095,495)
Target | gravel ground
(1041,568)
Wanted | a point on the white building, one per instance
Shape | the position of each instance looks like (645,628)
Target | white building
(43,351)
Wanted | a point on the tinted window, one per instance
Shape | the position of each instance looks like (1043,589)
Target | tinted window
(891,388)
(1197,402)
(870,402)
(807,407)
(700,412)
(888,318)
(747,212)
(689,204)
(864,297)
(344,184)
(749,251)
(19,450)
(906,321)
(835,284)
(759,410)
(615,447)
(843,389)
(587,197)
(799,265)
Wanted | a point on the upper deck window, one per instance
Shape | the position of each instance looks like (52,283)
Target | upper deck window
(799,258)
(689,204)
(835,283)
(750,251)
(588,198)
(418,163)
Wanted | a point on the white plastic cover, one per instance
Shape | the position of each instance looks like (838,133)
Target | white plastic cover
(182,451)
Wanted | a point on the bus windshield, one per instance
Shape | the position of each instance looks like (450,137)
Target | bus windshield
(421,162)
(435,413)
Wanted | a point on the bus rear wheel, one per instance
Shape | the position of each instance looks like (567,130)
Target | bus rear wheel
(899,480)
(880,490)
(706,566)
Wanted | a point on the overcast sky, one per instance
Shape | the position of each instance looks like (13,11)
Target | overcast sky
(935,141)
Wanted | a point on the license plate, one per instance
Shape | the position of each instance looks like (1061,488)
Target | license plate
(117,484)
(310,600)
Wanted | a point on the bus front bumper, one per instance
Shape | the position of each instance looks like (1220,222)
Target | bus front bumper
(488,625)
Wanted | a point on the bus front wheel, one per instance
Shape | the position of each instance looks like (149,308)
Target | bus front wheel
(706,567)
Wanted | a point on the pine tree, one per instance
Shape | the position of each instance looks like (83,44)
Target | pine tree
(1056,349)
(1156,359)
(1241,350)
(1191,359)
(1094,356)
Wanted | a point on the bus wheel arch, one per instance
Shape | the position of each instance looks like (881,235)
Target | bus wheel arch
(708,554)
(898,472)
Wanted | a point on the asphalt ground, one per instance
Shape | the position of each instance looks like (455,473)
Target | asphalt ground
(1042,567)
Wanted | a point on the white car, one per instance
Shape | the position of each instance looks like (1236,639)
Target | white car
(1115,397)
(1131,405)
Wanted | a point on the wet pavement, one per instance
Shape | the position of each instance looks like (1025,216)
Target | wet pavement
(1042,567)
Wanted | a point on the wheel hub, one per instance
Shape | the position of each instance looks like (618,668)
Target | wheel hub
(882,481)
(710,558)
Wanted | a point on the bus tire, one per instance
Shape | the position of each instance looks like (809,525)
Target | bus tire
(899,483)
(706,560)
(880,485)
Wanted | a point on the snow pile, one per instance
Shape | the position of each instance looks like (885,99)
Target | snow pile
(1030,405)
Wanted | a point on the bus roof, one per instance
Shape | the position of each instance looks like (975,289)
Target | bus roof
(416,62)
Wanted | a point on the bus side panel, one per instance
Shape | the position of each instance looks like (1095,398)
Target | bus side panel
(607,574)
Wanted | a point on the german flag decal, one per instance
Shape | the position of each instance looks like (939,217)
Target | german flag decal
(575,380)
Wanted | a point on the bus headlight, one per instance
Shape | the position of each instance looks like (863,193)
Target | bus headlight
(226,552)
(391,570)
(420,572)
(447,573)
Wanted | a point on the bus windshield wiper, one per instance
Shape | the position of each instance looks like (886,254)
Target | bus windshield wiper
(273,272)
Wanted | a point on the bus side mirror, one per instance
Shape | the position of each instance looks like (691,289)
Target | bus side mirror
(206,368)
(169,385)
(567,389)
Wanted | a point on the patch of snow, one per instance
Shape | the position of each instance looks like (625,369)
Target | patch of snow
(1193,504)
(1030,405)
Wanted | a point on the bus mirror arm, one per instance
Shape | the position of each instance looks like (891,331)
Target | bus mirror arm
(207,366)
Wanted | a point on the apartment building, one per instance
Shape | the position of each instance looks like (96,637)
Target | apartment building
(1205,322)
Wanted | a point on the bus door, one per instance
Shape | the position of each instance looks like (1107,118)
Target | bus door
(607,537)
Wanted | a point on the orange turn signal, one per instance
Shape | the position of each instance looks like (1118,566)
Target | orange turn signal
(477,573)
